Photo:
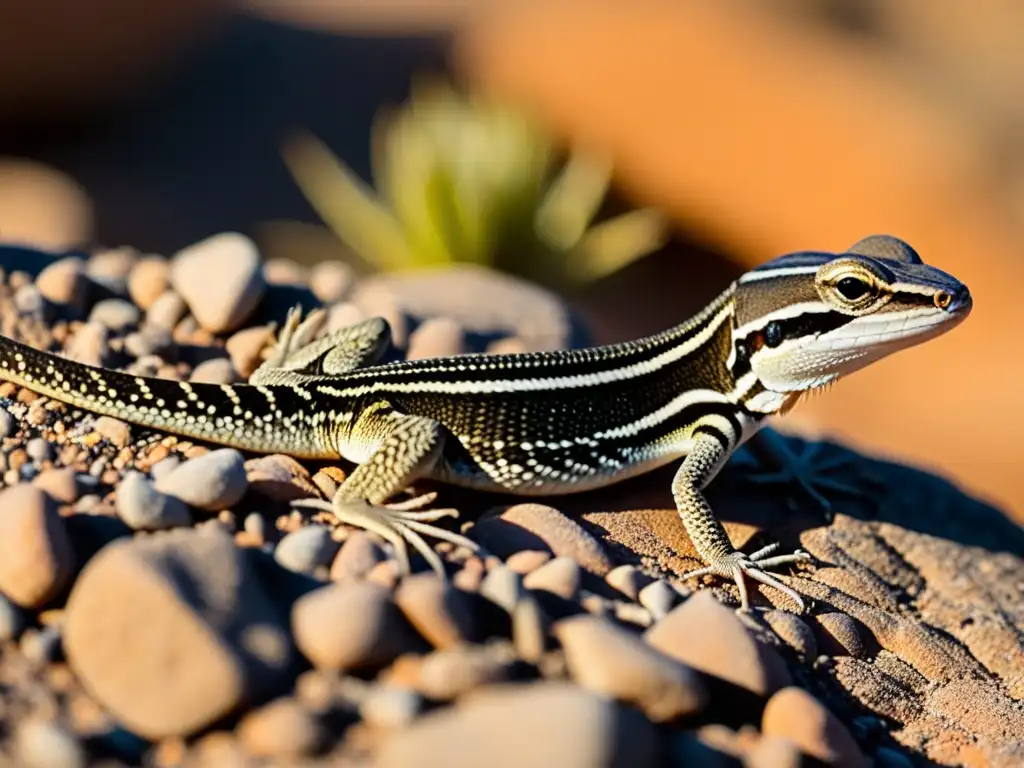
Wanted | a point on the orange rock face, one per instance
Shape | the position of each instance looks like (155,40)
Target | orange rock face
(763,132)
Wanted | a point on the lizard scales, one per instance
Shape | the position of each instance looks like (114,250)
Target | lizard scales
(552,422)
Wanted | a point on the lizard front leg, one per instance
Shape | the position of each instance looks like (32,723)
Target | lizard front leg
(407,448)
(708,536)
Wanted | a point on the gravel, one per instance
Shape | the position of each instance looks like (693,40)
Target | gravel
(160,603)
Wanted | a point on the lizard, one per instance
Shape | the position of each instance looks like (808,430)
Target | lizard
(553,422)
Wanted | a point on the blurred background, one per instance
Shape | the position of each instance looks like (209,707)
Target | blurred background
(716,133)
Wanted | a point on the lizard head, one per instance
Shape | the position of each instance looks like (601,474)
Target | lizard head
(805,319)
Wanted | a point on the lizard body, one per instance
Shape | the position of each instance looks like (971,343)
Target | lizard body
(553,422)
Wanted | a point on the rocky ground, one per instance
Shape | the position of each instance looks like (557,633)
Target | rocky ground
(161,604)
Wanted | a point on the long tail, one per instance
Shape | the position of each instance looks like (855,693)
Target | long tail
(271,419)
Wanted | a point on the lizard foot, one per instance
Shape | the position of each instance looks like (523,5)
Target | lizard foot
(813,469)
(296,333)
(399,523)
(735,564)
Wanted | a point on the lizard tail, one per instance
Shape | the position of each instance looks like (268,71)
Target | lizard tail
(271,419)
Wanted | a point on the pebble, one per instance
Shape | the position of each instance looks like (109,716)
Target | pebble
(540,724)
(12,620)
(143,508)
(148,342)
(112,266)
(116,315)
(255,527)
(307,549)
(45,744)
(246,346)
(221,280)
(794,714)
(281,271)
(36,556)
(64,282)
(60,484)
(503,587)
(390,706)
(39,450)
(282,729)
(218,370)
(212,482)
(117,432)
(435,337)
(720,646)
(482,300)
(351,626)
(201,603)
(440,612)
(793,631)
(148,280)
(360,553)
(280,478)
(510,345)
(841,635)
(166,311)
(536,526)
(560,576)
(528,560)
(448,674)
(8,426)
(773,752)
(616,662)
(164,467)
(28,300)
(331,280)
(658,598)
(89,344)
(628,580)
(529,630)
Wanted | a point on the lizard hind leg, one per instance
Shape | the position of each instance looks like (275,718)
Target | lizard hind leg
(298,356)
(409,448)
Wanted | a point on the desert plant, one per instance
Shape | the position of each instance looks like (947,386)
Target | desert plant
(461,178)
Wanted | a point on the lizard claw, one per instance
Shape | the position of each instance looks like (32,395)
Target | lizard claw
(736,564)
(400,524)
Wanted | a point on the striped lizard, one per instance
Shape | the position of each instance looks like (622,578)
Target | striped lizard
(553,422)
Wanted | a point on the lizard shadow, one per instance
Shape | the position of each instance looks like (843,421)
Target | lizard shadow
(876,491)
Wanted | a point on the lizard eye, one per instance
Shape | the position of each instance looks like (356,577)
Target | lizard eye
(852,288)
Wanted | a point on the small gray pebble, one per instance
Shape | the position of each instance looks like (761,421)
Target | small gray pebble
(503,587)
(166,311)
(87,502)
(28,472)
(98,467)
(389,706)
(43,744)
(39,450)
(164,466)
(12,620)
(255,525)
(658,598)
(7,424)
(143,508)
(115,314)
(28,300)
(306,549)
(148,341)
(213,481)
